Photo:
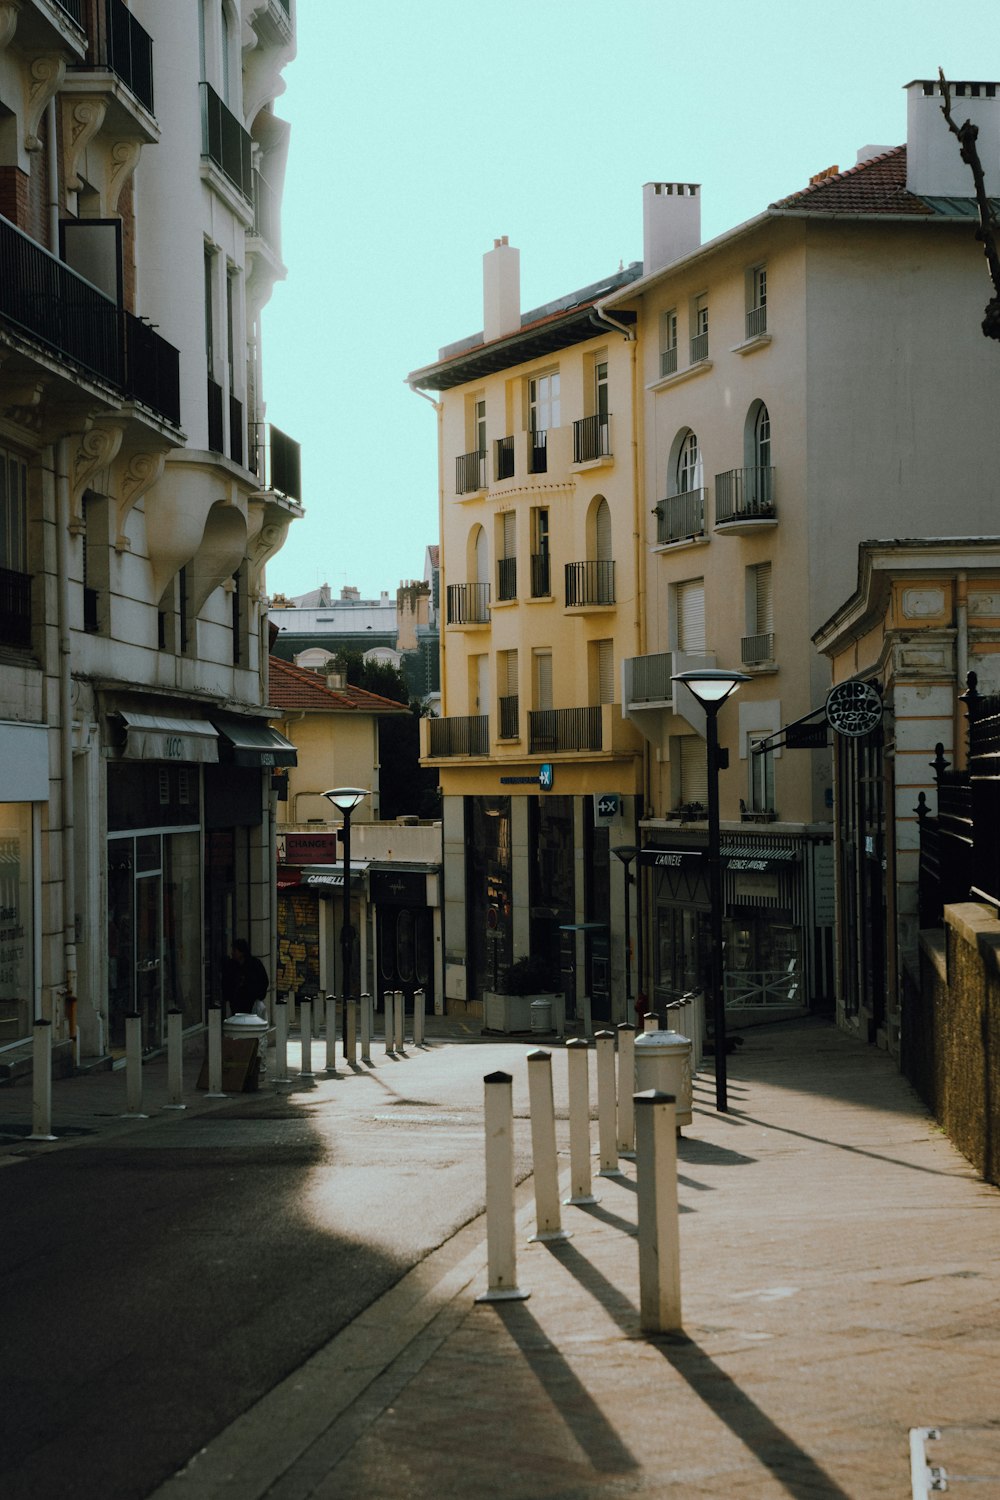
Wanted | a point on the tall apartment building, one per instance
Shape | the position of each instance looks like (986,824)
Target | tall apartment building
(141,495)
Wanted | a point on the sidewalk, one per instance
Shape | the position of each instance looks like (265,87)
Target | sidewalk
(841,1287)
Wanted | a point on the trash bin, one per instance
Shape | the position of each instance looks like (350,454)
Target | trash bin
(247,1028)
(663,1061)
(541,1014)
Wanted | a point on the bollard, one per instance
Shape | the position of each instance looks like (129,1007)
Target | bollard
(544,1158)
(389,1018)
(588,1017)
(351,1033)
(215,1053)
(659,1240)
(175,1059)
(501,1252)
(331,1035)
(400,1026)
(607,1113)
(366,1028)
(419,1011)
(41,1082)
(306,1075)
(651,1023)
(579,1122)
(626,1085)
(133,1066)
(282,1082)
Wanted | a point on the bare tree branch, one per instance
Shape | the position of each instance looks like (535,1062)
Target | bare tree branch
(988,231)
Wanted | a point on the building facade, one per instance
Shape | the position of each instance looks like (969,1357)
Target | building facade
(141,166)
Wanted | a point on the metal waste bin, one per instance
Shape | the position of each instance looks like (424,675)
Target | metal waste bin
(245,1028)
(541,1015)
(663,1061)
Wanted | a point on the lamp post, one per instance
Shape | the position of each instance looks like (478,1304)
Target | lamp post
(627,853)
(346,799)
(711,687)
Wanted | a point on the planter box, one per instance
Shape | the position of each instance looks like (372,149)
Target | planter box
(512,1013)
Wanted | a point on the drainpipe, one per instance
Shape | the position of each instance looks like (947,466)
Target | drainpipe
(63,458)
(53,176)
(959,756)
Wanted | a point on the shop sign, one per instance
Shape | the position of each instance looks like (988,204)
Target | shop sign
(854,709)
(398,887)
(311,848)
(607,806)
(671,858)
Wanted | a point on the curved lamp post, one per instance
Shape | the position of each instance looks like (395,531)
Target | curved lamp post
(346,799)
(711,687)
(627,853)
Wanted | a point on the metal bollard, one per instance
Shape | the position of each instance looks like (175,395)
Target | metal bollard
(400,1027)
(175,1059)
(351,1028)
(366,1028)
(659,1239)
(579,1121)
(133,1066)
(41,1082)
(607,1112)
(306,1075)
(215,1053)
(544,1157)
(626,1085)
(282,1082)
(501,1252)
(331,1035)
(419,1011)
(588,1016)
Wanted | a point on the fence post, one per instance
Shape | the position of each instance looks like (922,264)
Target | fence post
(214,1053)
(175,1059)
(659,1240)
(607,1112)
(578,1078)
(366,1028)
(400,1026)
(544,1157)
(351,1026)
(282,1082)
(331,1035)
(133,1065)
(419,1011)
(501,1251)
(626,1088)
(306,1076)
(41,1082)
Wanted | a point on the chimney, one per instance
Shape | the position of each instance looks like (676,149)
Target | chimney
(501,290)
(934,167)
(671,222)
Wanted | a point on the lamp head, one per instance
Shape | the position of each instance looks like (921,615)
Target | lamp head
(625,852)
(711,685)
(346,798)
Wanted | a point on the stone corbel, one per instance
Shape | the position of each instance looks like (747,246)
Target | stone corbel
(139,473)
(9,10)
(97,449)
(47,74)
(124,159)
(82,119)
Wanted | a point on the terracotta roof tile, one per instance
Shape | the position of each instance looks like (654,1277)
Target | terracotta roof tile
(296,688)
(876,186)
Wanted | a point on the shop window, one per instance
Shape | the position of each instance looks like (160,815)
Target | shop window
(16,930)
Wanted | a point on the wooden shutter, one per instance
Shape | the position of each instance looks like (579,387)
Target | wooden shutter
(763,622)
(694,769)
(605,671)
(543,669)
(482,557)
(509,533)
(602,532)
(691,615)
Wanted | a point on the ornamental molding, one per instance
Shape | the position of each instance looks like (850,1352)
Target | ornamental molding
(97,450)
(139,472)
(46,74)
(82,119)
(9,10)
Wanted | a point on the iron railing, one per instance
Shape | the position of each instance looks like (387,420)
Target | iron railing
(984,780)
(91,621)
(470,473)
(699,347)
(507,578)
(15,608)
(216,428)
(591,439)
(73,8)
(590,583)
(744,494)
(668,361)
(541,582)
(647,679)
(538,452)
(225,142)
(467,603)
(756,321)
(761,989)
(152,369)
(460,736)
(503,458)
(276,459)
(129,51)
(236,438)
(680,516)
(266,212)
(757,649)
(551,730)
(509,716)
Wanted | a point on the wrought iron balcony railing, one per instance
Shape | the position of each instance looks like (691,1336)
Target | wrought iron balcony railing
(591,439)
(73,8)
(699,347)
(756,650)
(590,583)
(225,142)
(668,361)
(541,579)
(538,452)
(509,716)
(507,578)
(128,50)
(236,438)
(460,736)
(276,459)
(152,372)
(15,608)
(503,458)
(744,494)
(468,603)
(470,473)
(216,428)
(679,517)
(551,730)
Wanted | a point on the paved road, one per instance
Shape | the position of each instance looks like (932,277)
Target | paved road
(156,1284)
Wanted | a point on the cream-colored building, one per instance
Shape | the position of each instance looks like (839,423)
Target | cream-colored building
(141,166)
(541,588)
(809,377)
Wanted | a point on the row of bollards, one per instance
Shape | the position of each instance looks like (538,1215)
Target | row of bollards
(354,1012)
(653,1114)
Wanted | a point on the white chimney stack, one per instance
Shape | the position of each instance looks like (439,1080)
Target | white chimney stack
(671,222)
(934,167)
(501,290)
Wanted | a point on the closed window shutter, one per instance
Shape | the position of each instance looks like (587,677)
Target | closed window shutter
(508,673)
(482,558)
(691,615)
(605,672)
(483,683)
(509,534)
(544,670)
(763,600)
(694,770)
(602,530)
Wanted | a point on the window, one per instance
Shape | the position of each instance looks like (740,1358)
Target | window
(699,329)
(507,701)
(668,342)
(602,671)
(95,561)
(543,679)
(543,413)
(540,581)
(689,467)
(758,496)
(507,561)
(758,643)
(760,785)
(15,584)
(480,425)
(689,615)
(756,301)
(479,683)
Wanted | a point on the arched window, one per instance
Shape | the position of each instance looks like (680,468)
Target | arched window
(762,438)
(602,532)
(688,474)
(759,483)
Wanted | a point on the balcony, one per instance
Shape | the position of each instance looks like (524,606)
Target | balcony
(590,585)
(650,698)
(470,473)
(458,736)
(73,8)
(507,578)
(756,322)
(15,608)
(216,429)
(503,458)
(541,576)
(225,143)
(509,716)
(467,604)
(699,347)
(591,439)
(555,730)
(128,51)
(152,369)
(276,459)
(744,500)
(236,440)
(668,362)
(680,518)
(758,650)
(538,452)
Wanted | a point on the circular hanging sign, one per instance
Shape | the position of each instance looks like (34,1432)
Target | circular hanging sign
(854,708)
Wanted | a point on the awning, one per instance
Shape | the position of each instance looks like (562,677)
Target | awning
(288,879)
(331,877)
(157,737)
(248,742)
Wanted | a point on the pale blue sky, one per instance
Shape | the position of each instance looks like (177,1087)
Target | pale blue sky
(422,131)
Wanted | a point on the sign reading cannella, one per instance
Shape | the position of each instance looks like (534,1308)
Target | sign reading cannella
(854,709)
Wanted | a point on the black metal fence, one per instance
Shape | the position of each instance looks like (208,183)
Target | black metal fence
(129,49)
(554,729)
(225,142)
(590,583)
(959,845)
(469,735)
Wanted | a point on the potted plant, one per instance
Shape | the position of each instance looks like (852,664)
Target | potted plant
(528,979)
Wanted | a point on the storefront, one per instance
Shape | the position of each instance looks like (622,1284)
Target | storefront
(24,788)
(404,930)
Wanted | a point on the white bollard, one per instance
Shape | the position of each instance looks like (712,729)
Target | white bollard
(626,1087)
(389,1020)
(400,1029)
(331,1035)
(215,1053)
(306,1075)
(578,1078)
(501,1251)
(282,1082)
(133,1066)
(419,1012)
(175,1059)
(650,1023)
(366,1028)
(607,1111)
(41,1082)
(659,1239)
(588,1017)
(544,1157)
(351,1033)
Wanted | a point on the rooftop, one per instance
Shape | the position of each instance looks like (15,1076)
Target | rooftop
(296,688)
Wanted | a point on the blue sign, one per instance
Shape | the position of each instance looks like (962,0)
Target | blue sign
(545,776)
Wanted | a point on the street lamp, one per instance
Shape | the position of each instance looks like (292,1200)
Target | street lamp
(711,687)
(346,799)
(627,853)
